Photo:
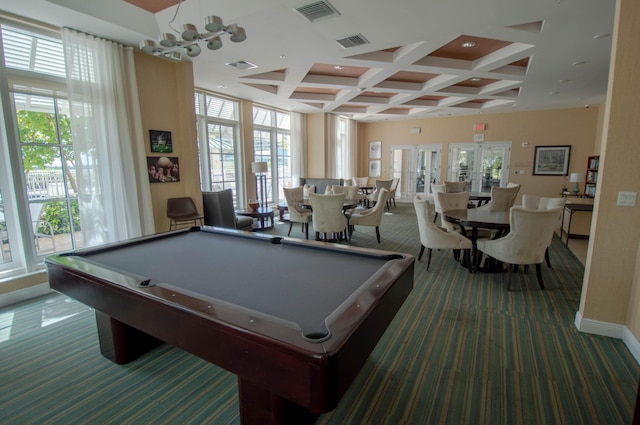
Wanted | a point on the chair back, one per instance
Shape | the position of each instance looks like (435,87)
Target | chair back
(360,181)
(502,198)
(384,184)
(530,202)
(431,236)
(530,235)
(327,213)
(455,187)
(218,209)
(294,196)
(435,188)
(453,201)
(181,208)
(549,203)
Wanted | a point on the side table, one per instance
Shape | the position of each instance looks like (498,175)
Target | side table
(264,217)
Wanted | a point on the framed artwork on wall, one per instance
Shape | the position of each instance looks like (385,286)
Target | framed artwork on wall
(160,141)
(374,168)
(375,149)
(163,169)
(551,161)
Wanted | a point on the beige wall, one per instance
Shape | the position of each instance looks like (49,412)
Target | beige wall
(166,90)
(316,154)
(610,276)
(576,127)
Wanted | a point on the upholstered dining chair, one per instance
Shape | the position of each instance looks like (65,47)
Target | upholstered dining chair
(297,214)
(392,192)
(433,237)
(455,187)
(327,215)
(543,203)
(351,192)
(530,234)
(449,202)
(371,216)
(435,189)
(502,198)
(182,211)
(380,184)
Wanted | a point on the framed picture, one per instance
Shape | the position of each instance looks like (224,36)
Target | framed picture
(551,161)
(163,169)
(374,168)
(160,141)
(374,149)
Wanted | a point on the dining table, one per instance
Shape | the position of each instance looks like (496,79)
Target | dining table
(480,197)
(478,218)
(346,205)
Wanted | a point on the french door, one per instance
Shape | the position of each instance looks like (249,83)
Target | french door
(416,166)
(482,165)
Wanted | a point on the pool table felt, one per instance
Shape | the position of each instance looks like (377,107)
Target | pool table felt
(292,282)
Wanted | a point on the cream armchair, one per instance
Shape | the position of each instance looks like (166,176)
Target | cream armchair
(297,214)
(371,216)
(450,202)
(530,235)
(542,203)
(327,216)
(455,187)
(433,237)
(380,184)
(435,189)
(502,198)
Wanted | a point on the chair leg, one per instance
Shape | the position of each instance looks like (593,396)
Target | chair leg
(290,226)
(421,252)
(306,230)
(539,275)
(546,258)
(435,217)
(509,267)
(378,233)
(428,258)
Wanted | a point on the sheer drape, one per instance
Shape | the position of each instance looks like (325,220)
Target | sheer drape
(341,147)
(113,188)
(298,147)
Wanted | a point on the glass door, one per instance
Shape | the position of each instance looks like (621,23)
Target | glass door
(482,165)
(416,166)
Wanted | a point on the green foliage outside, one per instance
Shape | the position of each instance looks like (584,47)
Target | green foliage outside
(55,213)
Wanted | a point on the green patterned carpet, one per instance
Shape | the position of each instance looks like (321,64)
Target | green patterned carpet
(462,350)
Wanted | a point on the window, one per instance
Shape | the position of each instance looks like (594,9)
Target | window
(272,144)
(38,203)
(218,121)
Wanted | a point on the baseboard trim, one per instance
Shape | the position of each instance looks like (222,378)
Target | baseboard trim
(24,294)
(612,330)
(598,328)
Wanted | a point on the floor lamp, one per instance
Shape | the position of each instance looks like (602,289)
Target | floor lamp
(260,169)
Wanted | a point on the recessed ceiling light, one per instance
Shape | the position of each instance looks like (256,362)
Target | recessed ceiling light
(338,67)
(468,44)
(563,81)
(475,79)
(603,35)
(283,56)
(553,92)
(222,86)
(576,63)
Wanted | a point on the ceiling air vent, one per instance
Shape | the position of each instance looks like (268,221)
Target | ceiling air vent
(352,41)
(242,65)
(317,10)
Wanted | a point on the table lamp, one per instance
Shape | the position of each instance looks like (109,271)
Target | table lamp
(260,169)
(576,179)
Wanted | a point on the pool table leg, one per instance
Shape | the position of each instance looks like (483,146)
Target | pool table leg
(120,342)
(262,407)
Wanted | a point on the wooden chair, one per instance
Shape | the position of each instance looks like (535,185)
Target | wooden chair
(433,237)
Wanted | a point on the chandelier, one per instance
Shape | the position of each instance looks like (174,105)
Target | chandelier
(173,47)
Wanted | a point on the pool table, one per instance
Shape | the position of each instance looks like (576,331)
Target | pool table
(294,320)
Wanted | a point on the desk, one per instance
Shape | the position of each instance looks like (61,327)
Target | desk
(478,218)
(571,209)
(264,216)
(296,336)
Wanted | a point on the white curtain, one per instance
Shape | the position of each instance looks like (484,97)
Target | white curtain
(341,147)
(298,147)
(113,186)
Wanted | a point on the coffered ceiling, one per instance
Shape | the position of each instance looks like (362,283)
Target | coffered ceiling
(378,59)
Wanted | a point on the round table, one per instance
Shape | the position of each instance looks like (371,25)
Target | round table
(476,218)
